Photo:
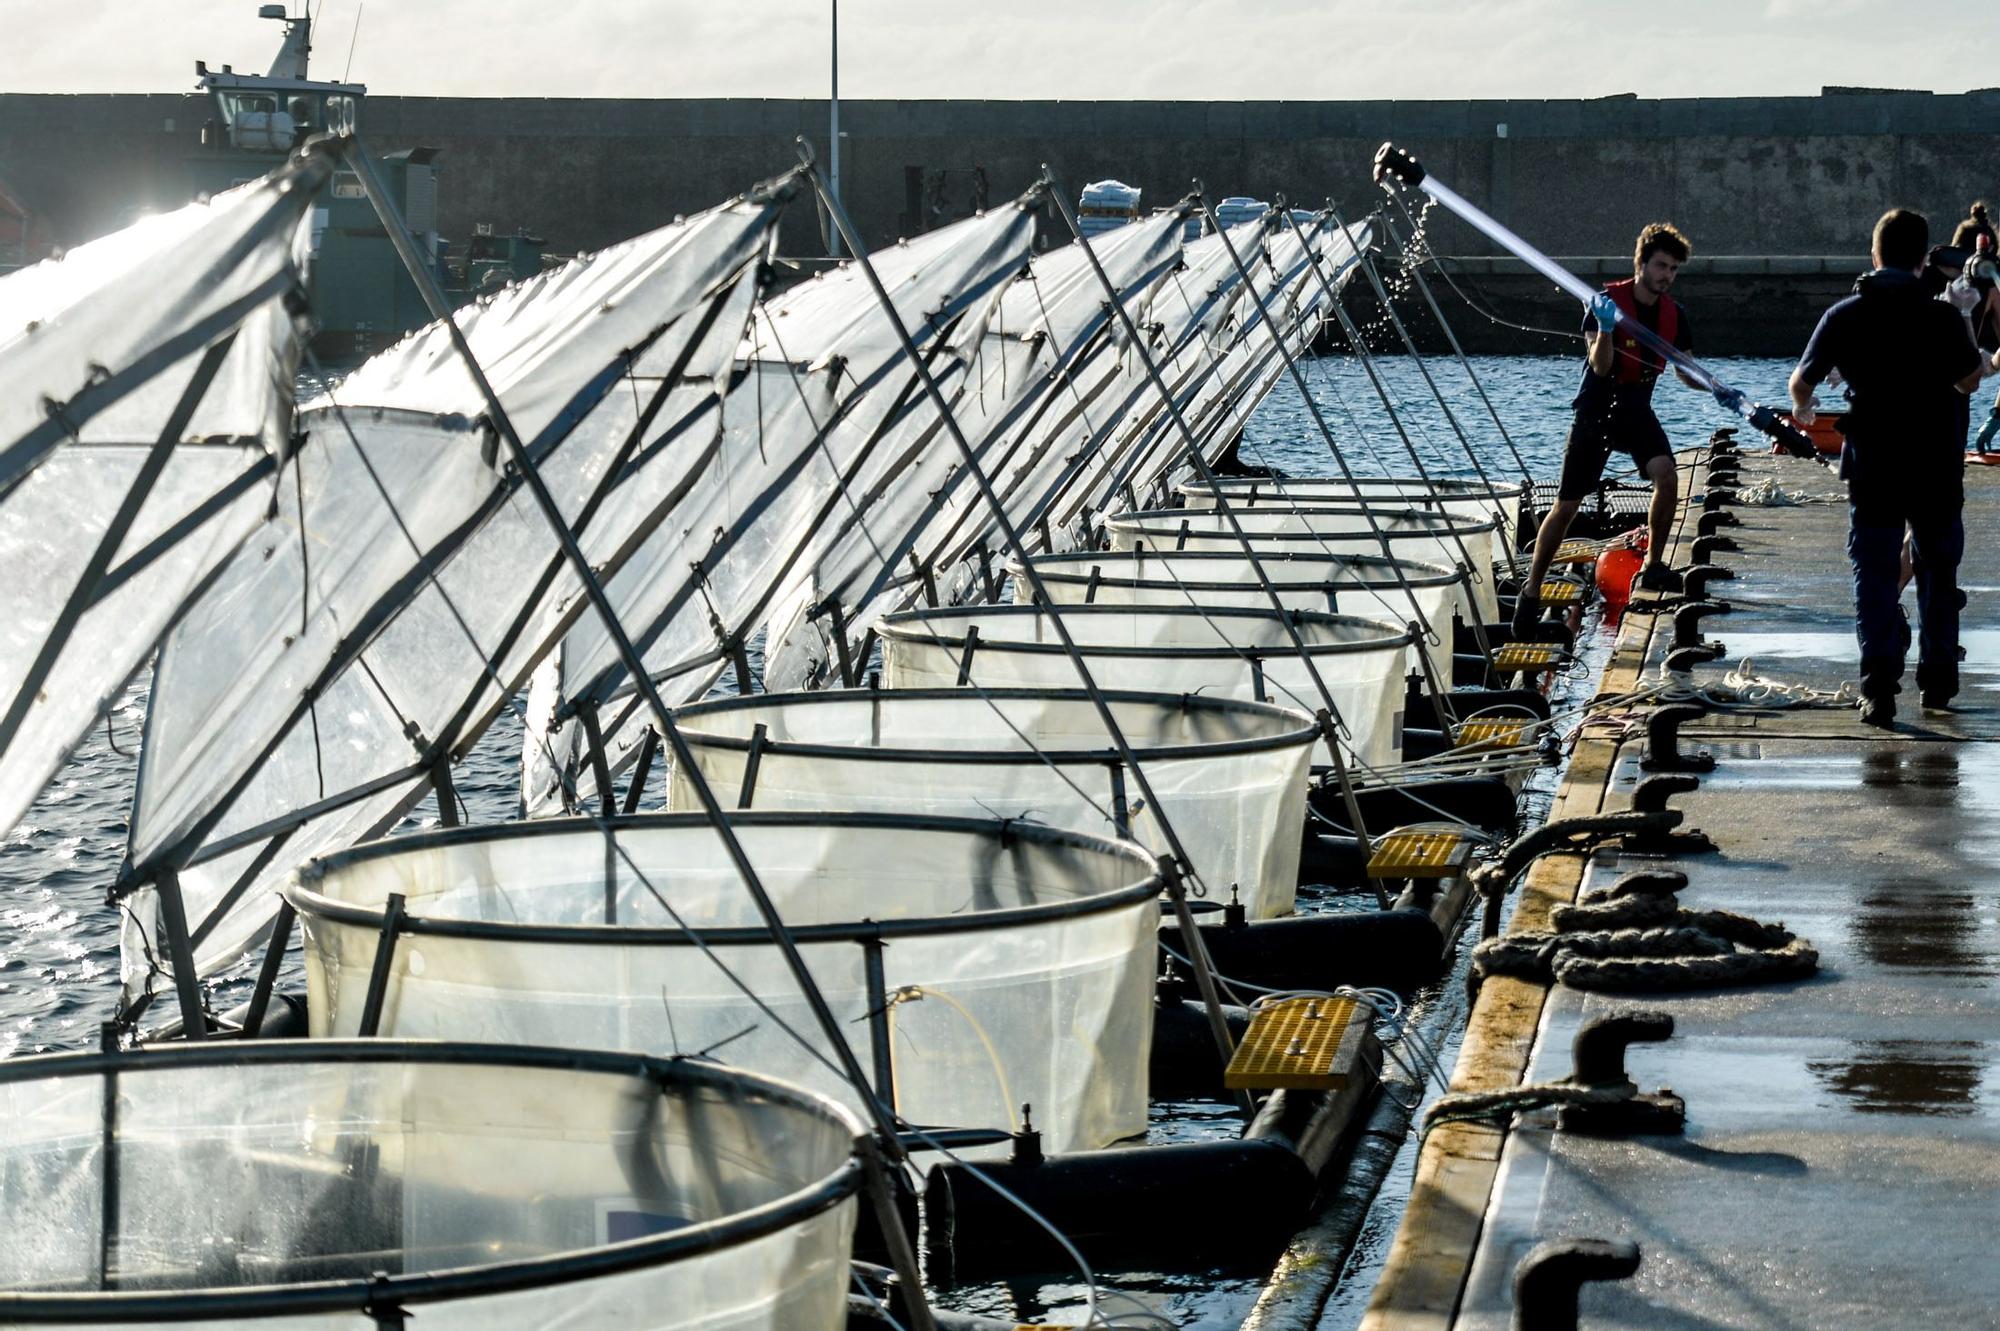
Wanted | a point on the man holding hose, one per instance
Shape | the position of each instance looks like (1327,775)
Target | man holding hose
(1614,411)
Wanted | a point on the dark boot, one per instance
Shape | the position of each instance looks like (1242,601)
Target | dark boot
(1881,681)
(1527,614)
(1938,684)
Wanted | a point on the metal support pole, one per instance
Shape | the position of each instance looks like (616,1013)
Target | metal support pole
(173,918)
(642,767)
(752,760)
(267,974)
(378,978)
(108,1200)
(1204,972)
(628,654)
(878,1022)
(447,794)
(600,763)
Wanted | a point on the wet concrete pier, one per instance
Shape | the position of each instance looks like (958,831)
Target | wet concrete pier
(1840,1164)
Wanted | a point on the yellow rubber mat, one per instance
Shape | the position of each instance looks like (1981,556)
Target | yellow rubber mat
(1490,734)
(1310,1044)
(1527,656)
(1419,855)
(1561,593)
(1575,552)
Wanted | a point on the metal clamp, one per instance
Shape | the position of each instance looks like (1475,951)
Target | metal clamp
(1597,1061)
(1651,796)
(1663,748)
(1547,1281)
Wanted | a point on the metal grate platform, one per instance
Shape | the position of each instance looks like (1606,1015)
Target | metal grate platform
(1576,552)
(1559,592)
(1527,656)
(1490,734)
(1310,1044)
(1403,854)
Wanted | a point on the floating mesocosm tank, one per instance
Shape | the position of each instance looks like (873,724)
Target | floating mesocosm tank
(985,964)
(1231,775)
(354,1183)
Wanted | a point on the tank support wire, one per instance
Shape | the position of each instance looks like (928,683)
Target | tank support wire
(1367,362)
(1176,890)
(1312,405)
(580,565)
(1423,368)
(1412,264)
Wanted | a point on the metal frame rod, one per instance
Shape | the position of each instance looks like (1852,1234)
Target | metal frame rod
(1204,971)
(1410,346)
(635,664)
(378,975)
(267,974)
(173,917)
(1414,267)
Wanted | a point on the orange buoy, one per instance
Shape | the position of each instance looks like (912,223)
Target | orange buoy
(1617,568)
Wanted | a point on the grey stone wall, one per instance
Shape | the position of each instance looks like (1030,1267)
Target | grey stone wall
(1745,177)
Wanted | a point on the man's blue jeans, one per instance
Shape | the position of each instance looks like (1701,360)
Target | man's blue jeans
(1875,549)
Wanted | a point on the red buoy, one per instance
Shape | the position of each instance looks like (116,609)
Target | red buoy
(1616,570)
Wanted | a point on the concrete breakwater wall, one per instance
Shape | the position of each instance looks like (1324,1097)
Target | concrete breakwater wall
(1748,177)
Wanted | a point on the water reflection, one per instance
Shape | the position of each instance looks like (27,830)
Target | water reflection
(1920,925)
(1932,767)
(1939,1079)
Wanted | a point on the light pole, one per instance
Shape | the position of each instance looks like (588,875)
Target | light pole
(833,132)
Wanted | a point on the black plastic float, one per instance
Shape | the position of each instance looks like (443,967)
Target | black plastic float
(1401,948)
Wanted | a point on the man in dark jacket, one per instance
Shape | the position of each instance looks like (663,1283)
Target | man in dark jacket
(1908,364)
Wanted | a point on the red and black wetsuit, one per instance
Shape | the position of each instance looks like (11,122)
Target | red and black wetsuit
(1615,412)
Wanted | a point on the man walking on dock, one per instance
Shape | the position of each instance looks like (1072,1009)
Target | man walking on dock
(1908,363)
(1614,411)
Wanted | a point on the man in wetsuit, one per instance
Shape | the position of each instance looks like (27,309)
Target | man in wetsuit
(1908,363)
(1614,411)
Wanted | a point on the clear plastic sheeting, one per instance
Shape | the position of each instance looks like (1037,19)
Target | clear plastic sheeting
(1230,775)
(1500,501)
(1393,591)
(315,1184)
(406,583)
(1048,328)
(821,385)
(1434,538)
(98,346)
(1017,961)
(111,524)
(1220,652)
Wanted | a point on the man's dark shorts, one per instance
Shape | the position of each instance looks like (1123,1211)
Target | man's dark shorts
(1591,444)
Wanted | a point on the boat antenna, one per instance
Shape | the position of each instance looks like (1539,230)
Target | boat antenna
(353,37)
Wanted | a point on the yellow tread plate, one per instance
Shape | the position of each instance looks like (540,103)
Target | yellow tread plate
(1419,855)
(1561,593)
(1494,734)
(1309,1044)
(1527,656)
(1576,552)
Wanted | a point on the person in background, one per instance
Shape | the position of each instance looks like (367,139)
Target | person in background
(1908,362)
(1982,275)
(1977,224)
(1614,411)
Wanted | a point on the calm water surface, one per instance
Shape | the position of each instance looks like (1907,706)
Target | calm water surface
(58,937)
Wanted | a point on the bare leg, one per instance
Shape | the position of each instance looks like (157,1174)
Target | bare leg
(1548,540)
(1666,479)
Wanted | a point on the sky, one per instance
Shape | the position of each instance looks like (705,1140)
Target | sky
(1068,49)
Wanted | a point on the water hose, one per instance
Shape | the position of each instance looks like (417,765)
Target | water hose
(1391,161)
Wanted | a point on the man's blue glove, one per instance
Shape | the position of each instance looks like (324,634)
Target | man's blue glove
(1730,398)
(1605,311)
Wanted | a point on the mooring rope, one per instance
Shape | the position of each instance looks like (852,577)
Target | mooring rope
(1647,943)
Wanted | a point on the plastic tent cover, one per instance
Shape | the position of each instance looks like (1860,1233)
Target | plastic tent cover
(1445,493)
(1050,326)
(1239,363)
(121,522)
(283,1173)
(97,346)
(1052,1009)
(821,379)
(1231,776)
(299,705)
(1219,653)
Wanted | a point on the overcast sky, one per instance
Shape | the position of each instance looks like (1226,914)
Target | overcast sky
(1072,49)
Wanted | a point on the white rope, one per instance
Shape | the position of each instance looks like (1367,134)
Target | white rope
(1767,493)
(1743,686)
